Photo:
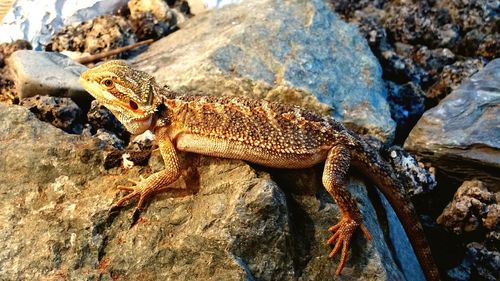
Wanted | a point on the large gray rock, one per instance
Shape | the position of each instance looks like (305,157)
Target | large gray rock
(461,135)
(47,73)
(239,225)
(258,47)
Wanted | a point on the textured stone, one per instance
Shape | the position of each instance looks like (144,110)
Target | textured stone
(238,224)
(461,135)
(60,112)
(151,19)
(473,209)
(451,77)
(6,49)
(314,51)
(100,34)
(46,73)
(407,103)
(479,264)
(99,117)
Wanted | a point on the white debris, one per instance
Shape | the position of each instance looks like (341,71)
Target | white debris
(37,20)
(127,164)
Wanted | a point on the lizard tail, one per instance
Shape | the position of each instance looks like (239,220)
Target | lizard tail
(382,175)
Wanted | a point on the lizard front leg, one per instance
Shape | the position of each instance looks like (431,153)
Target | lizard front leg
(156,181)
(336,167)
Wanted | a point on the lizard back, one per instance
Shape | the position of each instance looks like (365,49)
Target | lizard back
(279,128)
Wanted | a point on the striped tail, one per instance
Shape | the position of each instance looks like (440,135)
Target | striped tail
(381,174)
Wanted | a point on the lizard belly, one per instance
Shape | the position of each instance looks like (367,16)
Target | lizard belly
(237,150)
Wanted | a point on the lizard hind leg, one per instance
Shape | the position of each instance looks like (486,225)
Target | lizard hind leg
(336,167)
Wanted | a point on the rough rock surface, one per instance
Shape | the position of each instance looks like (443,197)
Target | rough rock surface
(59,111)
(314,51)
(461,135)
(451,77)
(407,105)
(7,49)
(8,93)
(100,117)
(37,20)
(100,34)
(474,210)
(238,224)
(151,19)
(479,264)
(46,73)
(415,40)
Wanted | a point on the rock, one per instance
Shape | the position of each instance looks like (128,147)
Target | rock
(151,18)
(7,89)
(434,60)
(439,30)
(231,222)
(407,103)
(461,135)
(234,50)
(99,117)
(58,111)
(418,22)
(479,264)
(8,93)
(100,34)
(490,47)
(473,210)
(46,73)
(451,77)
(37,25)
(6,49)
(401,69)
(473,14)
(110,138)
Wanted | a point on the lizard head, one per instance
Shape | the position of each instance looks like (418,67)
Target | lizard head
(128,93)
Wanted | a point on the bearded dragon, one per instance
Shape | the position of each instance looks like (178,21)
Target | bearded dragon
(257,131)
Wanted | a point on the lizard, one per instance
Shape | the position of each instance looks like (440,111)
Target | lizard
(258,131)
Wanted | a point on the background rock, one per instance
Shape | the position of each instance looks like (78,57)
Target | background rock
(474,210)
(237,225)
(99,117)
(461,135)
(100,34)
(60,112)
(47,73)
(451,77)
(8,93)
(36,21)
(314,52)
(151,19)
(478,264)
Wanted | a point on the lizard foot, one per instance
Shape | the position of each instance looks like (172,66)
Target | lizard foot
(138,190)
(341,239)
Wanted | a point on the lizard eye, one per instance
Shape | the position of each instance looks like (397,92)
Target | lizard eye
(108,83)
(133,105)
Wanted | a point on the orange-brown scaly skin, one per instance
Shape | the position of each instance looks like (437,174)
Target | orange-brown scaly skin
(257,131)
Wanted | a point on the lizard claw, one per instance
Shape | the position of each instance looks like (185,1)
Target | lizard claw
(135,191)
(341,239)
